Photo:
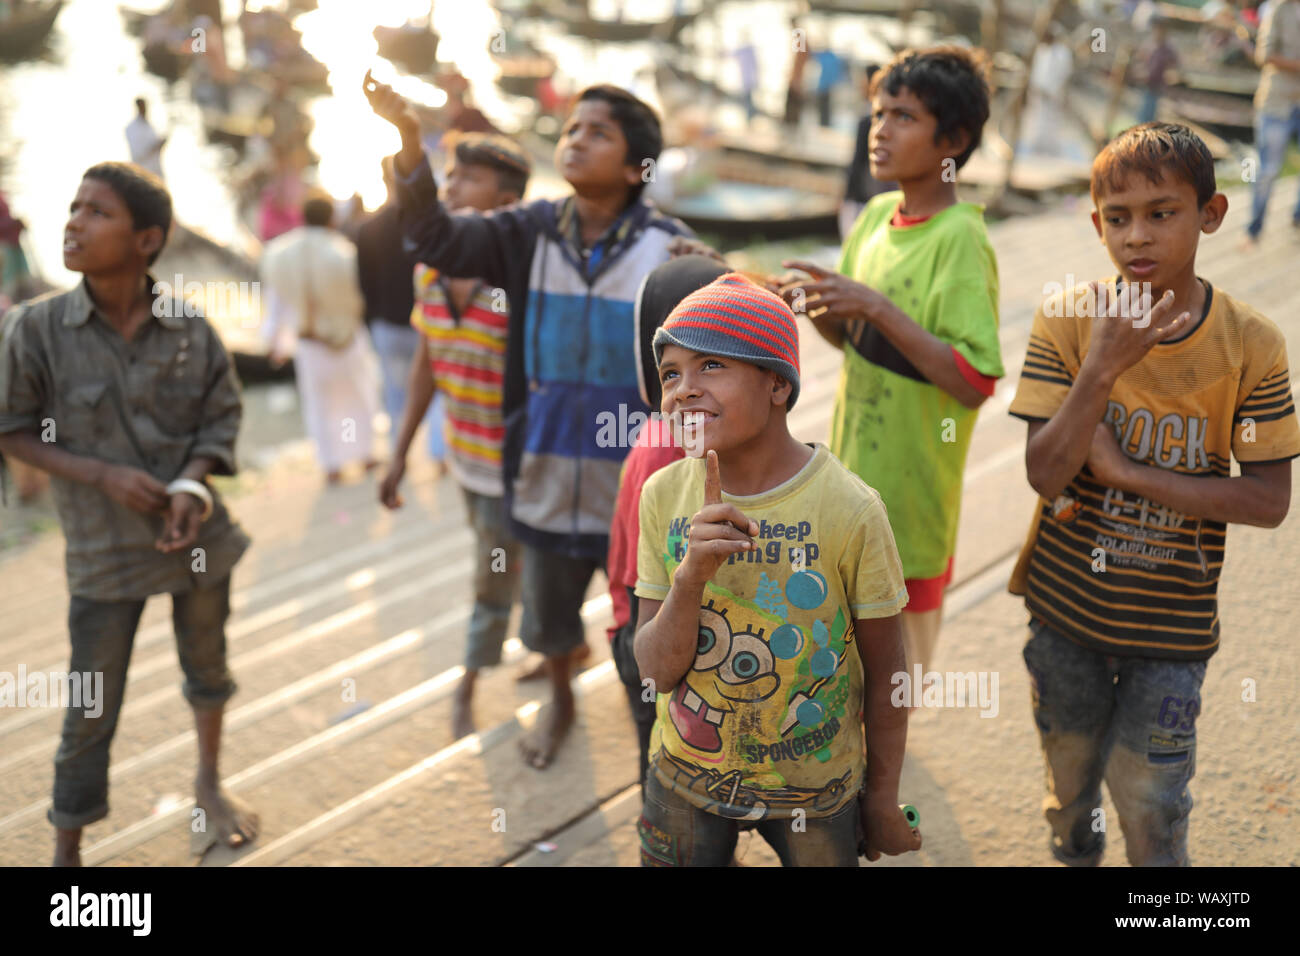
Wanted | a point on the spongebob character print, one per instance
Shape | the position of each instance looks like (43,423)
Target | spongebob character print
(768,720)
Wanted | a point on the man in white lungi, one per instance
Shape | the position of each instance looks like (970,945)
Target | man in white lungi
(315,314)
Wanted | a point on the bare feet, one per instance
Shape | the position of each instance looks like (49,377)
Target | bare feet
(553,724)
(371,465)
(537,670)
(333,477)
(462,717)
(227,820)
(1248,243)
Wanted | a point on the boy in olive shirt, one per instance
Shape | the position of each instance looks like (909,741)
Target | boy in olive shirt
(129,401)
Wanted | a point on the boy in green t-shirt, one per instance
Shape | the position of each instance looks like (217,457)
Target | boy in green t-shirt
(915,310)
(756,627)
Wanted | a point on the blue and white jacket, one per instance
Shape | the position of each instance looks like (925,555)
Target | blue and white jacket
(570,351)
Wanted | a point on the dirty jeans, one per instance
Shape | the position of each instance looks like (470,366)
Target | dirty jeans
(103,634)
(496,579)
(675,832)
(1128,720)
(1272,134)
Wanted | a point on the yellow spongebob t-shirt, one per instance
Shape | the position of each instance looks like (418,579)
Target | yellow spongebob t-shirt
(769,718)
(1118,573)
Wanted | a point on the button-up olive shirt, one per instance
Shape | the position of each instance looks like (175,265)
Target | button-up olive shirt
(154,403)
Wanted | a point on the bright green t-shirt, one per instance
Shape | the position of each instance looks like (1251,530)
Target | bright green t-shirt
(768,720)
(900,434)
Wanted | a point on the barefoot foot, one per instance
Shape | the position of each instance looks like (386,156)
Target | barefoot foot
(227,820)
(462,718)
(539,747)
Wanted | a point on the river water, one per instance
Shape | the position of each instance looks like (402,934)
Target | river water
(69,109)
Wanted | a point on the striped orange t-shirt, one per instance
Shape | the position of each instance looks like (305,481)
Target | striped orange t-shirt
(467,351)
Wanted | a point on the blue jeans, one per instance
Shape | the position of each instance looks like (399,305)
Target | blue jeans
(1272,135)
(1130,721)
(102,635)
(496,579)
(395,344)
(675,832)
(1147,111)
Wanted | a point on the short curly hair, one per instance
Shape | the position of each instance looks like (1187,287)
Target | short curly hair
(951,82)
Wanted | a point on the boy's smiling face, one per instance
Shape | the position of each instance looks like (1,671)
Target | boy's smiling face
(591,153)
(1151,229)
(716,402)
(100,235)
(902,138)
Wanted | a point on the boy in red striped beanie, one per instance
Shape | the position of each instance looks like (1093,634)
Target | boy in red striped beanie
(768,580)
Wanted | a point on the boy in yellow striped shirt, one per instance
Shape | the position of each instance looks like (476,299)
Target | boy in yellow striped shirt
(1138,391)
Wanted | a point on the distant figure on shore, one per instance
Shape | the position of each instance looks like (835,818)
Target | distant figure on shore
(1049,80)
(794,94)
(143,140)
(861,187)
(1277,106)
(1157,59)
(830,73)
(747,60)
(311,275)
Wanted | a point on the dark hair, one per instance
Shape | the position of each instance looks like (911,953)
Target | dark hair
(140,105)
(497,153)
(1154,149)
(318,208)
(951,82)
(639,123)
(143,194)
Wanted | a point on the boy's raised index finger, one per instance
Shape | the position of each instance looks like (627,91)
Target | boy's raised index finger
(712,479)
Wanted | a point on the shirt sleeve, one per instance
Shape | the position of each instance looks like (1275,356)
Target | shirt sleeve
(870,566)
(1044,380)
(1265,427)
(652,576)
(964,305)
(221,411)
(24,374)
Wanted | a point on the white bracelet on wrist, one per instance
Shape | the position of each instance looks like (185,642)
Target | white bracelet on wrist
(188,486)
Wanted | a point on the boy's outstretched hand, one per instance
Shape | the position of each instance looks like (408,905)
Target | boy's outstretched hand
(885,828)
(829,295)
(715,531)
(1126,325)
(392,106)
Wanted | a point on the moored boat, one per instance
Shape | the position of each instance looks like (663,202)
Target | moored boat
(24,33)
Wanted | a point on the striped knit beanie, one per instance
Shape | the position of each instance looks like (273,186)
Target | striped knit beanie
(734,318)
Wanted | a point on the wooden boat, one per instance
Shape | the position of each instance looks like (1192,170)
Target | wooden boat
(1230,116)
(748,199)
(25,32)
(412,48)
(624,31)
(161,60)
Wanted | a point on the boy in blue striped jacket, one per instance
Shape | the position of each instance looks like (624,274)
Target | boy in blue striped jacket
(571,269)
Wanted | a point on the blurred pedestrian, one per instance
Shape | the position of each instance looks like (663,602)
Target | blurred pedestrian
(384,270)
(143,140)
(1157,60)
(315,314)
(1277,105)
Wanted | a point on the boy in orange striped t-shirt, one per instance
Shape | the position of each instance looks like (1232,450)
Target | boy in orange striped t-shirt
(464,323)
